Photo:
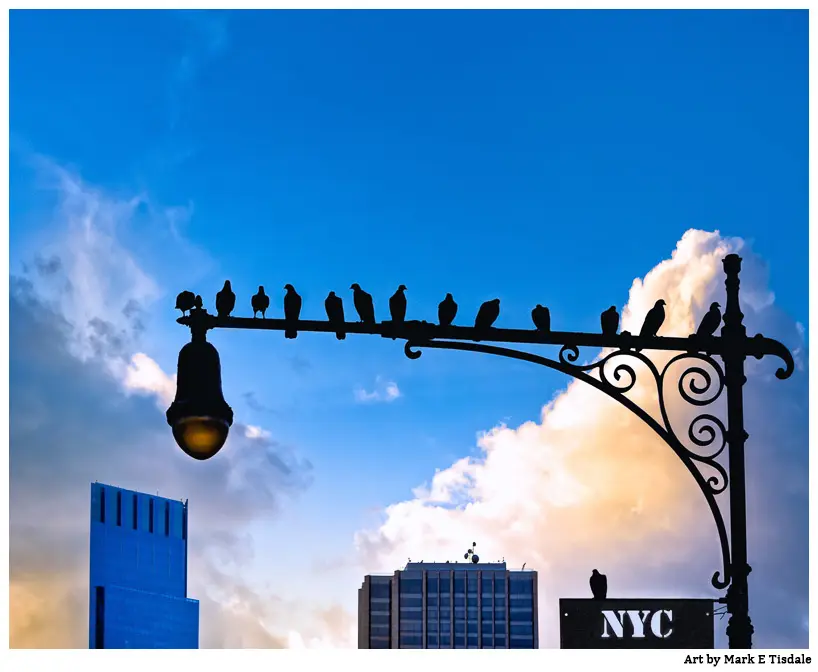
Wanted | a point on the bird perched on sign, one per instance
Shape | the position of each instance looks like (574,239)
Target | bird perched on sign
(363,304)
(654,319)
(710,321)
(446,311)
(292,310)
(487,314)
(185,301)
(541,317)
(225,300)
(335,313)
(599,585)
(260,302)
(610,321)
(397,305)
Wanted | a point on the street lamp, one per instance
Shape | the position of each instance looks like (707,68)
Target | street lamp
(200,417)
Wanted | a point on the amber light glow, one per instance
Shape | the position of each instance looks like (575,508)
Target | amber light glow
(200,437)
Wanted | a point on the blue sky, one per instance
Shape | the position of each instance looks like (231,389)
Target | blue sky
(540,157)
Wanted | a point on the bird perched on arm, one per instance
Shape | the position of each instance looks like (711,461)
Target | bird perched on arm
(225,300)
(654,319)
(260,303)
(599,585)
(710,321)
(542,318)
(487,314)
(446,311)
(610,321)
(363,304)
(335,313)
(185,301)
(292,310)
(397,305)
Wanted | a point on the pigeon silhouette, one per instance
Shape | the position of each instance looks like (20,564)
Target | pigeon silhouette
(599,585)
(397,305)
(335,313)
(542,318)
(610,321)
(197,303)
(225,300)
(185,301)
(710,321)
(363,304)
(446,311)
(292,310)
(260,303)
(654,319)
(486,316)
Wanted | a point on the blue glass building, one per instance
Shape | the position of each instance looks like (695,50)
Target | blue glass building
(138,573)
(449,606)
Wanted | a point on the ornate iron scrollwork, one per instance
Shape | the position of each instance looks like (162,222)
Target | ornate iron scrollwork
(699,384)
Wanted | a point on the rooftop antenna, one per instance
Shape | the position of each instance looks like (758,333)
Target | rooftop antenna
(474,557)
(523,566)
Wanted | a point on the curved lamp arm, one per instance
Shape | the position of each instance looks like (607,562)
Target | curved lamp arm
(695,386)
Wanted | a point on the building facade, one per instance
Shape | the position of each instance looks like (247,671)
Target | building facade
(449,606)
(138,572)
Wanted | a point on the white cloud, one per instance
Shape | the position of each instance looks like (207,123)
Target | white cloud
(384,391)
(590,485)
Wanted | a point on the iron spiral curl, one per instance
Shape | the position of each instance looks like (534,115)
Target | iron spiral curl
(699,386)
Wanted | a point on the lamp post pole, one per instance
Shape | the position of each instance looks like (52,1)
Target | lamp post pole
(734,333)
(201,418)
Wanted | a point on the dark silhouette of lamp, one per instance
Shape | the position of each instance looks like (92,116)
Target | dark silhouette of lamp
(199,415)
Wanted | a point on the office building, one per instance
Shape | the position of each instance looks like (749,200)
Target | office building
(138,572)
(449,606)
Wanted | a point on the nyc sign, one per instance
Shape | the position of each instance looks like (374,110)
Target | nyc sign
(636,624)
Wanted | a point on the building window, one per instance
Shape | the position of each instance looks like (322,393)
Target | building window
(167,519)
(119,508)
(414,601)
(521,643)
(432,641)
(102,505)
(380,589)
(184,523)
(411,586)
(445,640)
(99,629)
(134,511)
(522,629)
(520,585)
(150,515)
(432,584)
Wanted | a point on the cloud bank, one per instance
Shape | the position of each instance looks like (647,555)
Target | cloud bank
(85,405)
(591,486)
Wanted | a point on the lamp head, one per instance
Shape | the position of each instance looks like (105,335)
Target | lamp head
(199,416)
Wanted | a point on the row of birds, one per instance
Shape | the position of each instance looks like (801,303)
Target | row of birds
(446,311)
